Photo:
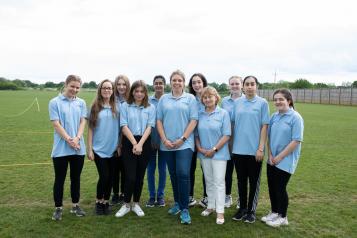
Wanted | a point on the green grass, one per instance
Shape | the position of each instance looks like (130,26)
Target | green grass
(323,192)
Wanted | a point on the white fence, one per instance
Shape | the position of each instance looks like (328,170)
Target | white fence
(336,96)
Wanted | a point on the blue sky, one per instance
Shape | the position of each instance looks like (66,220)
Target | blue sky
(47,40)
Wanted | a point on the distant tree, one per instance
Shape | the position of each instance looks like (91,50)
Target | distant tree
(301,83)
(320,85)
(223,87)
(19,83)
(215,85)
(354,84)
(8,85)
(30,84)
(92,84)
(346,84)
(50,85)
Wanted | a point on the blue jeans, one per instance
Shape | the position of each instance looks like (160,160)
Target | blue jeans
(179,164)
(151,175)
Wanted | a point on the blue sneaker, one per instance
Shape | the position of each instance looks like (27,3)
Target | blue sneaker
(185,217)
(175,209)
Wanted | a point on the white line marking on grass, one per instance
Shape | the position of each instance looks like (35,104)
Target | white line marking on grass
(19,165)
(28,108)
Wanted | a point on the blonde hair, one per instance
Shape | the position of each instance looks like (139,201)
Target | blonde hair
(235,77)
(210,91)
(127,83)
(178,72)
(73,77)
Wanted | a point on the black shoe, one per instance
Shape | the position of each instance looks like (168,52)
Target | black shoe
(99,208)
(240,214)
(57,215)
(250,217)
(115,198)
(106,208)
(76,210)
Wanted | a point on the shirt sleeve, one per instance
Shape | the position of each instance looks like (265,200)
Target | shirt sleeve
(159,113)
(53,110)
(194,109)
(298,129)
(233,111)
(152,116)
(123,114)
(226,124)
(84,113)
(265,113)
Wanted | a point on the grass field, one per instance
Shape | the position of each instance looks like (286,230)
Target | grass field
(323,192)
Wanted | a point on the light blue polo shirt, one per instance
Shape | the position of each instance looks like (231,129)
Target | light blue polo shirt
(201,106)
(155,138)
(175,113)
(228,103)
(137,118)
(69,113)
(211,128)
(120,99)
(106,134)
(249,115)
(283,129)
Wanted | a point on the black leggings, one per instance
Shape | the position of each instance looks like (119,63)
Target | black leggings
(229,175)
(105,168)
(248,169)
(192,176)
(118,175)
(277,183)
(135,167)
(60,165)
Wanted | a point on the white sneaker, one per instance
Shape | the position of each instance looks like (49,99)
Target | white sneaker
(271,216)
(122,211)
(228,201)
(138,211)
(219,221)
(207,212)
(279,221)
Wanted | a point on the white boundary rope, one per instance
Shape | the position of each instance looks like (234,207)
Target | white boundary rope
(28,108)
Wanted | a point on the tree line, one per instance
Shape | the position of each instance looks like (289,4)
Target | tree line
(17,84)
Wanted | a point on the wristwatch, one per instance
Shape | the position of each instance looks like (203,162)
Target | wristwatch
(215,149)
(183,138)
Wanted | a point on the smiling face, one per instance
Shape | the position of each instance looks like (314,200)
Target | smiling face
(72,88)
(197,84)
(250,87)
(281,103)
(138,94)
(235,85)
(177,83)
(106,90)
(159,86)
(121,87)
(209,100)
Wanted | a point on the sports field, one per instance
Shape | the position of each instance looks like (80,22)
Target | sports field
(323,192)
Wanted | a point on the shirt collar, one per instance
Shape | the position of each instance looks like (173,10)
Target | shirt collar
(134,105)
(184,94)
(254,99)
(62,97)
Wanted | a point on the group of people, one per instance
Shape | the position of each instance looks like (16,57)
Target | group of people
(129,132)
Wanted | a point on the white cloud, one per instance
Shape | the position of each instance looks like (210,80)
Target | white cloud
(46,40)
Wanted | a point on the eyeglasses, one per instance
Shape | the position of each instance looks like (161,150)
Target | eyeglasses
(106,89)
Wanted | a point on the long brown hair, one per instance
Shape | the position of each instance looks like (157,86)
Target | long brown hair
(97,105)
(127,83)
(137,84)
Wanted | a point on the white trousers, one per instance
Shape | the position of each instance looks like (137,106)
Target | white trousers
(215,173)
